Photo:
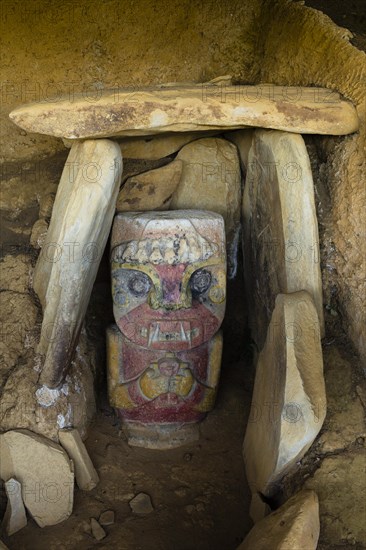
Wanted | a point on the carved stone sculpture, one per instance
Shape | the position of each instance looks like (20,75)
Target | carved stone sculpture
(169,291)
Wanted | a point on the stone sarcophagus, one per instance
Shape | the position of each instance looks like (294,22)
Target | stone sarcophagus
(169,295)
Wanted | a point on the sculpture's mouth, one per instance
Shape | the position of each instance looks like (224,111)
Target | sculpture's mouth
(169,330)
(179,331)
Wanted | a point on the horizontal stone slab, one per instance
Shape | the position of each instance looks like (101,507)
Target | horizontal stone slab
(187,108)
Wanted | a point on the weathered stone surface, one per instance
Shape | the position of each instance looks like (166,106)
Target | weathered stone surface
(25,404)
(68,264)
(141,504)
(97,530)
(106,518)
(190,108)
(289,404)
(2,546)
(151,190)
(159,146)
(243,140)
(211,178)
(280,229)
(39,233)
(294,526)
(44,471)
(340,485)
(15,517)
(85,474)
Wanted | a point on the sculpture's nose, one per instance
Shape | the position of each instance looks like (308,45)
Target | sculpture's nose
(173,296)
(171,292)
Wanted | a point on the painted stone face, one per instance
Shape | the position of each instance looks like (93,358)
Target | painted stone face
(168,289)
(168,278)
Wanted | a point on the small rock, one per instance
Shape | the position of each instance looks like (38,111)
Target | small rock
(96,529)
(181,492)
(39,233)
(141,504)
(86,527)
(85,474)
(107,517)
(190,509)
(15,517)
(200,507)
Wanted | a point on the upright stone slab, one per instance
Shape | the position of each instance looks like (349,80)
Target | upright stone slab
(67,266)
(152,190)
(15,517)
(294,526)
(211,178)
(280,229)
(44,471)
(289,404)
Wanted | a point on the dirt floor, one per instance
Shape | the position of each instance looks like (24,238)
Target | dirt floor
(199,492)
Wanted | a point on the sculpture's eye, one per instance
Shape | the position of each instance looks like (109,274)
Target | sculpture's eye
(139,284)
(200,281)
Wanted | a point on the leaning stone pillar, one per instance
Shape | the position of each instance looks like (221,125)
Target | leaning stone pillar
(67,266)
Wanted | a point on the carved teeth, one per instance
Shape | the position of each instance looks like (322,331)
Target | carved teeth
(183,334)
(158,335)
(154,334)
